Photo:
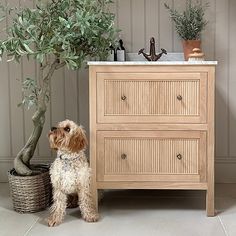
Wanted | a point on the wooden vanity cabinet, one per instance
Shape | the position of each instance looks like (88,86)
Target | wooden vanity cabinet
(152,127)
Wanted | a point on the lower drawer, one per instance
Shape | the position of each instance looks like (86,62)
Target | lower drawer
(151,156)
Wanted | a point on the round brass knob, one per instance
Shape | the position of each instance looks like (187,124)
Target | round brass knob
(179,97)
(179,156)
(123,156)
(123,98)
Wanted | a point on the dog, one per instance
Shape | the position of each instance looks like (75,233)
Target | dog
(70,172)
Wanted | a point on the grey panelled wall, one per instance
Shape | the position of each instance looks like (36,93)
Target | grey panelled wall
(138,20)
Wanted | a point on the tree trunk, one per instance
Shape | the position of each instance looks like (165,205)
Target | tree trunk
(22,160)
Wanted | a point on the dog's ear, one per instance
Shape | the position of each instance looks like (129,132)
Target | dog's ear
(78,141)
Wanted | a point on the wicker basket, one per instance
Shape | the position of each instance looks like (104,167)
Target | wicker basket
(30,193)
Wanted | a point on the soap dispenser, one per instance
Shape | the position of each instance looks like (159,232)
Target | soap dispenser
(120,51)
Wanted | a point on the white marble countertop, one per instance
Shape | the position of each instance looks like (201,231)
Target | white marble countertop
(148,63)
(133,59)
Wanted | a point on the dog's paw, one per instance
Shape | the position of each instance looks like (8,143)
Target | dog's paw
(52,222)
(93,217)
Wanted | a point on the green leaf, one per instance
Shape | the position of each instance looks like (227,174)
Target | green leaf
(40,57)
(20,20)
(20,104)
(27,48)
(62,20)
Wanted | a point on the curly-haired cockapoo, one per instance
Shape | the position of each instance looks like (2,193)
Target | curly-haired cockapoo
(70,172)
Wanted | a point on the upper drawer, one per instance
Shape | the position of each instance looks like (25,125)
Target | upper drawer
(151,97)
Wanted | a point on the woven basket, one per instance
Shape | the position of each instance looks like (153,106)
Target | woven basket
(30,193)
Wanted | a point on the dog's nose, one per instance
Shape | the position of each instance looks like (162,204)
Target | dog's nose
(53,128)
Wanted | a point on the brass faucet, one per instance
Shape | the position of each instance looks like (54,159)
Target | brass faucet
(152,56)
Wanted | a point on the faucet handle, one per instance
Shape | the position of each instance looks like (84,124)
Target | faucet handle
(141,51)
(163,51)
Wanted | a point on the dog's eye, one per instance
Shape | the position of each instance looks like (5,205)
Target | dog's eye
(67,129)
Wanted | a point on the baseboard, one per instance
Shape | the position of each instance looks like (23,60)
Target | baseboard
(225,168)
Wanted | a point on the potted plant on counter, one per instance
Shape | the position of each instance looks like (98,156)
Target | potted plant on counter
(189,24)
(56,33)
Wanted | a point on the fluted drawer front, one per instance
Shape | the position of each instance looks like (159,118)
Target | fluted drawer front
(156,155)
(154,97)
(151,97)
(151,155)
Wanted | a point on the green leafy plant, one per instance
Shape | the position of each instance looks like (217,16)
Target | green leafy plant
(55,33)
(190,23)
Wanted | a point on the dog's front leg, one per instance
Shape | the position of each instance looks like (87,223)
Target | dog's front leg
(86,204)
(58,208)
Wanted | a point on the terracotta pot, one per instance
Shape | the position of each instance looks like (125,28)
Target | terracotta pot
(189,45)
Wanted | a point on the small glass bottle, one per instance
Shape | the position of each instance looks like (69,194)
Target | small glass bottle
(112,54)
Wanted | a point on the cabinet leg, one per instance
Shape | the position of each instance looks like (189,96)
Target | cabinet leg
(210,203)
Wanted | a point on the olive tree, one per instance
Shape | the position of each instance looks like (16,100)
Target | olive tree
(56,33)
